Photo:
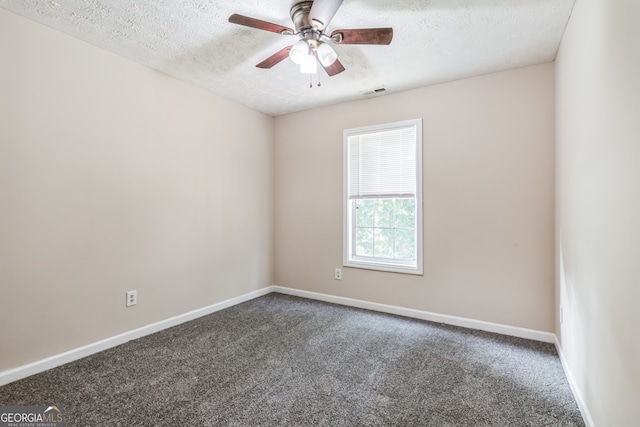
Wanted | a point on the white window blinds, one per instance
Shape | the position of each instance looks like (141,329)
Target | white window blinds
(382,164)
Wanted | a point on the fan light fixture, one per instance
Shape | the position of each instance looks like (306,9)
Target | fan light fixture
(304,54)
(326,54)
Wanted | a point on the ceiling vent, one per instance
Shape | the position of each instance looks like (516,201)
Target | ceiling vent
(373,92)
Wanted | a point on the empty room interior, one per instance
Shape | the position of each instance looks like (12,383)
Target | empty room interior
(141,149)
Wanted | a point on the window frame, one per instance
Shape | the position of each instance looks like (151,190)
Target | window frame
(374,263)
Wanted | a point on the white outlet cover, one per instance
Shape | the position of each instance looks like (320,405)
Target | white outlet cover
(132,298)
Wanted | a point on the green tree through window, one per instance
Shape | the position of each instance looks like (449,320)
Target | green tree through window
(386,228)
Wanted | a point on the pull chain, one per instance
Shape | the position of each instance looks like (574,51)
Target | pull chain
(311,81)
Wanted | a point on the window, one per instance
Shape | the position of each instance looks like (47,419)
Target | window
(383,197)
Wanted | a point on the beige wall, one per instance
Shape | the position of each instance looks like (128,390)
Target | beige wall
(488,196)
(115,177)
(598,206)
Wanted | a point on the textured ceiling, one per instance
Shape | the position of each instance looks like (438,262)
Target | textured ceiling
(192,40)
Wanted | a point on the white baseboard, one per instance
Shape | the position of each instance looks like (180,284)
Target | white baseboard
(24,371)
(21,372)
(586,415)
(424,315)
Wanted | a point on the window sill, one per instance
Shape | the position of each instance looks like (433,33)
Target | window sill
(378,266)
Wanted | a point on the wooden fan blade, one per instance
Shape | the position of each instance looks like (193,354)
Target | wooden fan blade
(363,36)
(323,11)
(261,25)
(275,58)
(333,69)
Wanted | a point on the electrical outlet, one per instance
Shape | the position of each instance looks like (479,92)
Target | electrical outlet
(338,275)
(132,298)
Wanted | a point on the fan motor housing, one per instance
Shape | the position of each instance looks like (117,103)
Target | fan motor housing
(300,16)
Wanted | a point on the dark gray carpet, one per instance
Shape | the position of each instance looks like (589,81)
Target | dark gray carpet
(281,360)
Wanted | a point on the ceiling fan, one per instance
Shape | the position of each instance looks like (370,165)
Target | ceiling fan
(310,19)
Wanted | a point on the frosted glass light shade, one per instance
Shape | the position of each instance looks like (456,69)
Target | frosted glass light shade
(299,51)
(309,65)
(326,55)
